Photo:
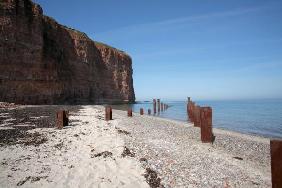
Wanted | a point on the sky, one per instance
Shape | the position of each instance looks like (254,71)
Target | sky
(205,49)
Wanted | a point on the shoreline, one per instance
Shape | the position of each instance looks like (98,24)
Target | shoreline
(153,151)
(192,124)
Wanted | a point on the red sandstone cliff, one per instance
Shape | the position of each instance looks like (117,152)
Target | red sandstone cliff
(43,62)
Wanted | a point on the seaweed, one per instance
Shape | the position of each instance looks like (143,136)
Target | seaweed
(152,178)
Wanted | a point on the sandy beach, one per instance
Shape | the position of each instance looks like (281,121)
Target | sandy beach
(142,151)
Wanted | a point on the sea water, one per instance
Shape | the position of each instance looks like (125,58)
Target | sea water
(258,117)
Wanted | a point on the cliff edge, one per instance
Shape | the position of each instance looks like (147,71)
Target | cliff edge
(43,62)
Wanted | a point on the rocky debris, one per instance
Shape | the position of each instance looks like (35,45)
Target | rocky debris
(104,154)
(238,158)
(59,146)
(173,150)
(43,62)
(123,131)
(152,178)
(15,123)
(127,152)
(16,136)
(8,105)
(30,117)
(32,179)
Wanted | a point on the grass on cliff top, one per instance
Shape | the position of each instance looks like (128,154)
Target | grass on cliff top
(108,46)
(98,44)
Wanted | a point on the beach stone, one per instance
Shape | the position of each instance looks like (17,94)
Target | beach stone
(174,150)
(206,124)
(276,163)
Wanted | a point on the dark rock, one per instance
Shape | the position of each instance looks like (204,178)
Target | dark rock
(152,178)
(104,154)
(127,152)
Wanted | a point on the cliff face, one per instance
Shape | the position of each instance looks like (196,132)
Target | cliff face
(43,62)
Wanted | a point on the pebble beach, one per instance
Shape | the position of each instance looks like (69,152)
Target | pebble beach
(138,151)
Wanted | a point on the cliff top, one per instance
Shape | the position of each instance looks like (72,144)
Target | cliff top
(102,45)
(82,34)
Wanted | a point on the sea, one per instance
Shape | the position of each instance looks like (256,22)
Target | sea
(256,117)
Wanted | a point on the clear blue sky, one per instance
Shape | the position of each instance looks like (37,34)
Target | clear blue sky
(206,49)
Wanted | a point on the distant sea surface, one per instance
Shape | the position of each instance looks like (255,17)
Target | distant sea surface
(257,117)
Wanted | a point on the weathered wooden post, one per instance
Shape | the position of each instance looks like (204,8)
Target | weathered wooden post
(158,100)
(276,163)
(206,124)
(191,111)
(107,113)
(197,118)
(141,111)
(111,113)
(129,112)
(149,111)
(162,106)
(155,106)
(66,119)
(62,119)
(188,108)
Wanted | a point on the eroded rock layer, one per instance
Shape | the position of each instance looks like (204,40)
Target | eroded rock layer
(43,62)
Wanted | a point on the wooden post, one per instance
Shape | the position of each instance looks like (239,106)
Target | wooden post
(188,108)
(62,119)
(141,111)
(108,113)
(149,111)
(111,113)
(129,112)
(206,124)
(162,106)
(191,111)
(158,100)
(276,163)
(197,118)
(155,106)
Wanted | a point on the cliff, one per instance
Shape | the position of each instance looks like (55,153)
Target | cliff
(43,62)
